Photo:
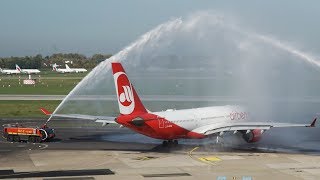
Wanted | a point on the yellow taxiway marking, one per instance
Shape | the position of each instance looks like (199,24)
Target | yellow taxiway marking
(212,160)
(190,152)
(143,158)
(209,159)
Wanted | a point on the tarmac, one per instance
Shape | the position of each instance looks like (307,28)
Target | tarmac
(84,150)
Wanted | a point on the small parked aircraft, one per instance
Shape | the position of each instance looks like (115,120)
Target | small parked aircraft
(27,71)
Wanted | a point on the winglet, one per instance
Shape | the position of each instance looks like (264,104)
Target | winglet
(46,112)
(313,124)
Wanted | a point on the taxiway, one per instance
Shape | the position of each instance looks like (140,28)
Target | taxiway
(93,152)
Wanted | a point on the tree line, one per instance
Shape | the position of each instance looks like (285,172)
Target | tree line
(40,62)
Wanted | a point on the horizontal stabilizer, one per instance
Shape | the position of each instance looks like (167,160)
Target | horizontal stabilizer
(46,112)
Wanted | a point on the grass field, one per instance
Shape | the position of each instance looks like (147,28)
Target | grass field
(46,83)
(46,86)
(50,73)
(25,108)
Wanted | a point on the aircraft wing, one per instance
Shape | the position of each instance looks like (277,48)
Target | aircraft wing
(101,119)
(88,117)
(244,126)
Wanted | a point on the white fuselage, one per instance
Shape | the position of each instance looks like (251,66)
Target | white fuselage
(30,71)
(10,71)
(77,70)
(192,119)
(64,70)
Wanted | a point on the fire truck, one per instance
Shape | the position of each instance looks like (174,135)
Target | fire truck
(17,133)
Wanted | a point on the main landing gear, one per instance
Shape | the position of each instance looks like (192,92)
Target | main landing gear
(170,143)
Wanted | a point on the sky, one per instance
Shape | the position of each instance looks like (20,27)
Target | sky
(107,26)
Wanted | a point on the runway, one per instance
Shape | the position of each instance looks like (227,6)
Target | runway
(174,98)
(84,149)
(166,98)
(31,97)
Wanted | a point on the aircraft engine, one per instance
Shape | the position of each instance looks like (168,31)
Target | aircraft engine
(252,136)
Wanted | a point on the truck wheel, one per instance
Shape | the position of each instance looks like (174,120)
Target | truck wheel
(10,138)
(31,139)
(37,139)
(16,138)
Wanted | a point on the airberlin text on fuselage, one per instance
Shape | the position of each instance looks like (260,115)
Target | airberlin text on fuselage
(238,115)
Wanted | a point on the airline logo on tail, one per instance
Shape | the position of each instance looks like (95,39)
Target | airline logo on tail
(126,96)
(124,92)
(18,68)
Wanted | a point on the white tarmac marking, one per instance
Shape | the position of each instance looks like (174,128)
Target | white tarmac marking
(44,146)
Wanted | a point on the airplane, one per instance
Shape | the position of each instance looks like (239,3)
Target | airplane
(77,70)
(9,71)
(27,71)
(60,70)
(171,125)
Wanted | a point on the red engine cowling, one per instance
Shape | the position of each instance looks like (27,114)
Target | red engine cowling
(253,136)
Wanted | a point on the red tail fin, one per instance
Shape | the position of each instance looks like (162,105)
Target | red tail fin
(128,100)
(18,68)
(46,112)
